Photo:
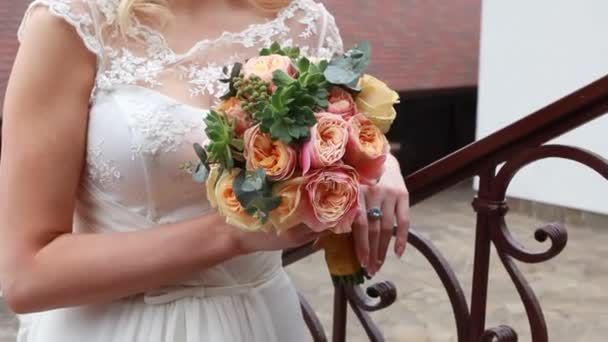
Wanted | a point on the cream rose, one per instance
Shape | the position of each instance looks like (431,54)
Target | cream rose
(327,144)
(289,213)
(264,66)
(276,158)
(332,198)
(377,101)
(367,148)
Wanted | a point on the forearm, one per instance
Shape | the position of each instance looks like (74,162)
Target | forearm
(76,269)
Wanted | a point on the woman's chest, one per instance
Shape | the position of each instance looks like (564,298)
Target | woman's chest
(138,143)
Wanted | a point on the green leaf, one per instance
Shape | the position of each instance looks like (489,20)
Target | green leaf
(280,78)
(275,47)
(347,69)
(200,174)
(201,153)
(254,193)
(303,65)
(339,74)
(289,114)
(223,145)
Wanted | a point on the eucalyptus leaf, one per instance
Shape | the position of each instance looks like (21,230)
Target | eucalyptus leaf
(201,174)
(200,152)
(339,75)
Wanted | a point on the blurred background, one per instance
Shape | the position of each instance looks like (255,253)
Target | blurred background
(532,53)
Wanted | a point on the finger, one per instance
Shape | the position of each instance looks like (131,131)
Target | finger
(403,225)
(387,225)
(373,201)
(360,235)
(318,243)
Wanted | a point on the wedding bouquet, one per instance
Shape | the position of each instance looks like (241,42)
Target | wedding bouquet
(291,143)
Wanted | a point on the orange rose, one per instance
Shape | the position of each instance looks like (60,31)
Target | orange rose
(341,103)
(232,108)
(367,148)
(327,143)
(276,158)
(229,206)
(333,198)
(289,213)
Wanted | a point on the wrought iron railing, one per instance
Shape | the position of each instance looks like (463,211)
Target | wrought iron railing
(518,145)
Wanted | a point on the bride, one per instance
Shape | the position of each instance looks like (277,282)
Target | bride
(103,238)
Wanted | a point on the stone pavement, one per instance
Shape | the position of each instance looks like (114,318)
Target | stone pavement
(573,288)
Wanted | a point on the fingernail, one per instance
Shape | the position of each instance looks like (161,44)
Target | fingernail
(400,250)
(364,264)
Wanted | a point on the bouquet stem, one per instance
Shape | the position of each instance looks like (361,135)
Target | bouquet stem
(341,259)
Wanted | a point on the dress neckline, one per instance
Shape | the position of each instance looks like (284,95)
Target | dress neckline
(154,36)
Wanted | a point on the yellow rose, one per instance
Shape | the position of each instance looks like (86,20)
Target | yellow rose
(288,213)
(228,205)
(377,101)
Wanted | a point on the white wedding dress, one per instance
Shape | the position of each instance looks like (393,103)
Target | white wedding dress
(146,110)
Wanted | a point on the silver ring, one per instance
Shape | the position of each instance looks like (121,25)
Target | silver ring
(374,213)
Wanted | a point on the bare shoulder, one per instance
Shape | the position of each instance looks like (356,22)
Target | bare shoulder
(52,60)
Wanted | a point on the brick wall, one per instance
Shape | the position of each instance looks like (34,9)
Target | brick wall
(11,12)
(418,44)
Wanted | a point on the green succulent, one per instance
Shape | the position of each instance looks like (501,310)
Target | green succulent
(225,148)
(290,113)
(276,49)
(252,92)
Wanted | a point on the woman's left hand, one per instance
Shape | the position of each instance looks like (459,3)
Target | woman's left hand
(373,235)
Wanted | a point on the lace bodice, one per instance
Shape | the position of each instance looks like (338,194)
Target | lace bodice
(143,57)
(149,101)
(148,105)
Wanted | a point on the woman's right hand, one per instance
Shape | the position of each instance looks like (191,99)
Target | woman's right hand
(251,242)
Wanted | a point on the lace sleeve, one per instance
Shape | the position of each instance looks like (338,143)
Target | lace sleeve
(330,42)
(311,27)
(80,14)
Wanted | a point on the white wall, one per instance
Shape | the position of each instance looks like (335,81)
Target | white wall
(534,52)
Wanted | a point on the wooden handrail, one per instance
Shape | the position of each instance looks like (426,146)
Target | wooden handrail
(545,124)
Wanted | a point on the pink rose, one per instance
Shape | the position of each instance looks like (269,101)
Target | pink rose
(327,143)
(332,199)
(232,108)
(276,158)
(264,66)
(367,148)
(341,103)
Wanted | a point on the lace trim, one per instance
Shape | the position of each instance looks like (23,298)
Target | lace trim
(159,130)
(120,66)
(83,22)
(99,169)
(126,68)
